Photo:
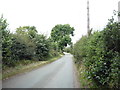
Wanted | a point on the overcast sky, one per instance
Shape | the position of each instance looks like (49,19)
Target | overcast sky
(45,14)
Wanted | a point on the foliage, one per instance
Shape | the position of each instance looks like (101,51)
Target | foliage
(80,46)
(100,54)
(30,45)
(24,44)
(61,35)
(6,42)
(69,49)
(53,48)
(42,47)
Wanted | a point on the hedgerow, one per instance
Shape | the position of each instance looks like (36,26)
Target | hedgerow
(100,54)
(24,44)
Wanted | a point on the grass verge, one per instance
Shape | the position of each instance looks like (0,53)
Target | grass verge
(8,72)
(83,80)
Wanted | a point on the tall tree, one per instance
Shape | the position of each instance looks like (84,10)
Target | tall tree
(61,35)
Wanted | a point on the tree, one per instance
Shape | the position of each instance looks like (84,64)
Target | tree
(61,35)
(23,46)
(30,30)
(42,47)
(6,42)
(33,46)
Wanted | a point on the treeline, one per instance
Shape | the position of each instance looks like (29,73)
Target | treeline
(27,44)
(99,53)
(24,44)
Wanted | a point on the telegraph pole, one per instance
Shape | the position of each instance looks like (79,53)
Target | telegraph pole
(88,19)
(119,11)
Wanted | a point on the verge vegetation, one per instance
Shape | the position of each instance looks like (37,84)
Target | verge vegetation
(98,57)
(26,47)
(25,66)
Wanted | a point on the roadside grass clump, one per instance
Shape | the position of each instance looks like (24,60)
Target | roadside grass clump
(25,66)
(99,56)
(84,82)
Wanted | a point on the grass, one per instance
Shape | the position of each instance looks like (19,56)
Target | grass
(83,80)
(21,68)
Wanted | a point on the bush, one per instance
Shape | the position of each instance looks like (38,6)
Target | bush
(100,53)
(79,49)
(24,44)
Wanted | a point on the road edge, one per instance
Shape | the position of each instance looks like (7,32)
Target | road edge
(76,76)
(24,70)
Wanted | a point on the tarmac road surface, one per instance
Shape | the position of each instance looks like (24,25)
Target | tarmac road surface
(58,74)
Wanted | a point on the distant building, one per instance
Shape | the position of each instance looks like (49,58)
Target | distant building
(119,11)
